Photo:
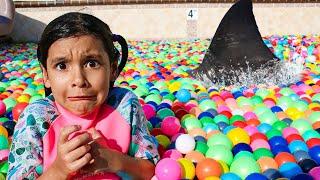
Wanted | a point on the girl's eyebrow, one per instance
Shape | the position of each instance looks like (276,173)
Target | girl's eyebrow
(86,56)
(58,59)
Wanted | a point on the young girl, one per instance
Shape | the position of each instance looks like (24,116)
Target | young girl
(84,129)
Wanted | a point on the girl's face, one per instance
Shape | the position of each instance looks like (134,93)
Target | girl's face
(78,73)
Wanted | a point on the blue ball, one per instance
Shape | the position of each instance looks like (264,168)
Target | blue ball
(302,176)
(275,109)
(205,114)
(256,176)
(222,125)
(241,147)
(264,128)
(290,169)
(272,174)
(200,138)
(279,148)
(230,176)
(154,121)
(277,140)
(210,127)
(301,155)
(314,153)
(307,164)
(297,145)
(183,95)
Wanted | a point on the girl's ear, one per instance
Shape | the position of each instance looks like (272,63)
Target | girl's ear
(114,71)
(45,77)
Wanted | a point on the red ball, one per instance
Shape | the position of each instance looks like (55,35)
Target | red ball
(18,109)
(294,137)
(256,136)
(284,157)
(313,142)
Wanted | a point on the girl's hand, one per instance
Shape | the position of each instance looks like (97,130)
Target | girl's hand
(104,158)
(72,154)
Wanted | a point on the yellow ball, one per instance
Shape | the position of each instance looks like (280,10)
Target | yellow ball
(23,98)
(3,131)
(188,170)
(224,166)
(294,113)
(212,178)
(163,140)
(175,86)
(238,135)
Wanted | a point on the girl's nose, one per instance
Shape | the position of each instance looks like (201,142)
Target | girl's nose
(79,78)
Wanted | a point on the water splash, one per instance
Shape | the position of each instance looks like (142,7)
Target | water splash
(274,73)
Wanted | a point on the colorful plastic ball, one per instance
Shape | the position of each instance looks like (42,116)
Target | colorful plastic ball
(314,153)
(243,153)
(297,145)
(264,128)
(163,140)
(310,134)
(195,156)
(188,170)
(313,142)
(4,143)
(277,140)
(301,155)
(256,176)
(279,148)
(185,143)
(149,111)
(267,163)
(9,125)
(207,104)
(3,131)
(238,135)
(230,176)
(10,103)
(290,169)
(219,139)
(262,152)
(284,157)
(303,176)
(18,109)
(241,147)
(315,173)
(2,177)
(201,147)
(183,95)
(220,152)
(173,154)
(168,169)
(208,167)
(244,166)
(170,125)
(272,174)
(307,164)
(2,108)
(301,125)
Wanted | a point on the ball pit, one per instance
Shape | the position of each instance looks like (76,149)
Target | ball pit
(256,132)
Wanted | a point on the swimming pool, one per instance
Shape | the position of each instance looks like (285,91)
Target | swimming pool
(264,126)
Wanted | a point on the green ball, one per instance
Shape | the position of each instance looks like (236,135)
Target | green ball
(314,117)
(153,97)
(207,104)
(3,119)
(268,117)
(220,152)
(9,102)
(263,93)
(301,105)
(235,118)
(169,96)
(279,125)
(164,112)
(286,91)
(4,167)
(260,109)
(4,144)
(273,132)
(201,147)
(243,101)
(284,101)
(256,100)
(206,120)
(308,134)
(2,177)
(191,123)
(221,118)
(35,98)
(219,139)
(316,97)
(244,166)
(262,152)
(243,153)
(301,125)
(30,91)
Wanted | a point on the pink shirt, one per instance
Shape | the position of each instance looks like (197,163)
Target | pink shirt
(105,119)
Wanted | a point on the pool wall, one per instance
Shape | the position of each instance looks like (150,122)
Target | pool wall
(171,21)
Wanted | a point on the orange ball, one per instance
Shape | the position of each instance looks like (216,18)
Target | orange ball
(267,163)
(197,132)
(208,167)
(195,156)
(284,157)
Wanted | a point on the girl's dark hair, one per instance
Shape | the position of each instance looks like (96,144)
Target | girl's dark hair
(77,24)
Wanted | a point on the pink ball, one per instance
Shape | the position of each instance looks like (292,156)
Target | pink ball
(259,143)
(315,173)
(4,155)
(289,131)
(168,169)
(251,129)
(223,108)
(173,154)
(250,115)
(2,108)
(170,125)
(149,111)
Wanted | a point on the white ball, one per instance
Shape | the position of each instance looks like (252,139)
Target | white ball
(185,143)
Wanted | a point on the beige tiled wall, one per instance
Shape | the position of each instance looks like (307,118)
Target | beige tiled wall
(168,21)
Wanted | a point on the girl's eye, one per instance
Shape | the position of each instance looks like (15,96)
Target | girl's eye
(61,66)
(92,64)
